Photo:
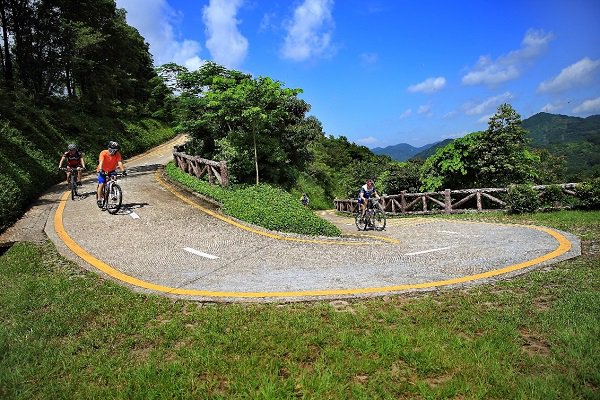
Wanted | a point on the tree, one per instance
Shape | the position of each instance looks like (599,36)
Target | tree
(496,157)
(400,176)
(256,124)
(502,154)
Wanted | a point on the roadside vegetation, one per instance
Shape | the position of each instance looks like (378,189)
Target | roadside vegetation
(263,205)
(66,333)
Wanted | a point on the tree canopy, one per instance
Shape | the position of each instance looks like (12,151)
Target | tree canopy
(256,124)
(496,157)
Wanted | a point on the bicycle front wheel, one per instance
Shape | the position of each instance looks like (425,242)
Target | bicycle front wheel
(379,220)
(113,199)
(73,184)
(361,222)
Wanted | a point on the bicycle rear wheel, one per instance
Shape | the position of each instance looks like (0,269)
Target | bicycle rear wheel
(361,222)
(113,198)
(379,220)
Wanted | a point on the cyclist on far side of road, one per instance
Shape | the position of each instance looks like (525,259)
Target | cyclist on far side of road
(108,161)
(74,159)
(366,191)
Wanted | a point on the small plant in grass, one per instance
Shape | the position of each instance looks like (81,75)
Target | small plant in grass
(589,194)
(522,199)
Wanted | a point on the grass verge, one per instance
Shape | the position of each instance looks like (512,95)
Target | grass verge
(262,205)
(65,333)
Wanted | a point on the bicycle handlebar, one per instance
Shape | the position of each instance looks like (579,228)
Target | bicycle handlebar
(70,168)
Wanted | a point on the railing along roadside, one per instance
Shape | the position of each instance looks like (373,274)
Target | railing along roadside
(198,167)
(446,201)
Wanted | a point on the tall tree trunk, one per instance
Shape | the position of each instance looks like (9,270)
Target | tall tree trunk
(8,69)
(255,154)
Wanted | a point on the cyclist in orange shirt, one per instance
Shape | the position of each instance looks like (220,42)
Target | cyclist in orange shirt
(108,162)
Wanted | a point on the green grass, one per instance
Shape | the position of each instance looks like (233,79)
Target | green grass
(262,205)
(67,334)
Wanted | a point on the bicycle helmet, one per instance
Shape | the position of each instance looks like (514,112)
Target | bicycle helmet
(72,147)
(113,147)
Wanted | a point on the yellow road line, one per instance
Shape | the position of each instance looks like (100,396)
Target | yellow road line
(270,234)
(563,246)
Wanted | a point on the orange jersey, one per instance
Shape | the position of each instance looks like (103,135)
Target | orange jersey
(109,162)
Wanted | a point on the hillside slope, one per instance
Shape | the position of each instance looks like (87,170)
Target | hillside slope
(576,139)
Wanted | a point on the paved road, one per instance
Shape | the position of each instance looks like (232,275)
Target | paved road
(166,241)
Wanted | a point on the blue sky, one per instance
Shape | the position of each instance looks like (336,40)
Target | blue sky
(383,72)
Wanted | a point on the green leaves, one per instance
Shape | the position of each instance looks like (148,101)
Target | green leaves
(233,116)
(496,157)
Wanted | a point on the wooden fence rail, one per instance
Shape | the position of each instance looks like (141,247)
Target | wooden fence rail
(447,201)
(198,166)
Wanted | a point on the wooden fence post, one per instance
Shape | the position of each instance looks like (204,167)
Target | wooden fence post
(479,206)
(402,202)
(447,201)
(224,174)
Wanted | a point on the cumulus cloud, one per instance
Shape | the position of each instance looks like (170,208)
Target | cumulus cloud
(576,74)
(226,44)
(508,66)
(309,33)
(430,85)
(155,21)
(486,105)
(589,106)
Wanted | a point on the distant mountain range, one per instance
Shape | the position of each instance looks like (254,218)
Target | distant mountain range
(577,139)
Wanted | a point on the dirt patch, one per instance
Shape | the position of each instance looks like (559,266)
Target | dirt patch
(533,344)
(590,248)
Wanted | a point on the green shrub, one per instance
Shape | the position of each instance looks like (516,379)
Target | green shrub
(262,205)
(589,194)
(553,196)
(522,199)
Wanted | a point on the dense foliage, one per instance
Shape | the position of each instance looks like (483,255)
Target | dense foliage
(575,140)
(72,72)
(255,124)
(262,205)
(496,157)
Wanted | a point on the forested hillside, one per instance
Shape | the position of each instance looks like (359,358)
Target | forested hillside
(72,72)
(575,139)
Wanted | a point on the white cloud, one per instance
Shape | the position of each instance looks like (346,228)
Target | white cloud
(552,107)
(576,74)
(407,113)
(492,102)
(309,32)
(591,106)
(485,118)
(508,66)
(370,140)
(155,21)
(430,85)
(226,44)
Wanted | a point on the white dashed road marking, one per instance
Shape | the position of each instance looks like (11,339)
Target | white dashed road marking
(200,253)
(428,251)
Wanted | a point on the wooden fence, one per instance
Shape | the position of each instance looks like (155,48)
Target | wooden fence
(447,201)
(198,166)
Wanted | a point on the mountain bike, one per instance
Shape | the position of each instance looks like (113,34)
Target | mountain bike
(374,217)
(72,184)
(112,193)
